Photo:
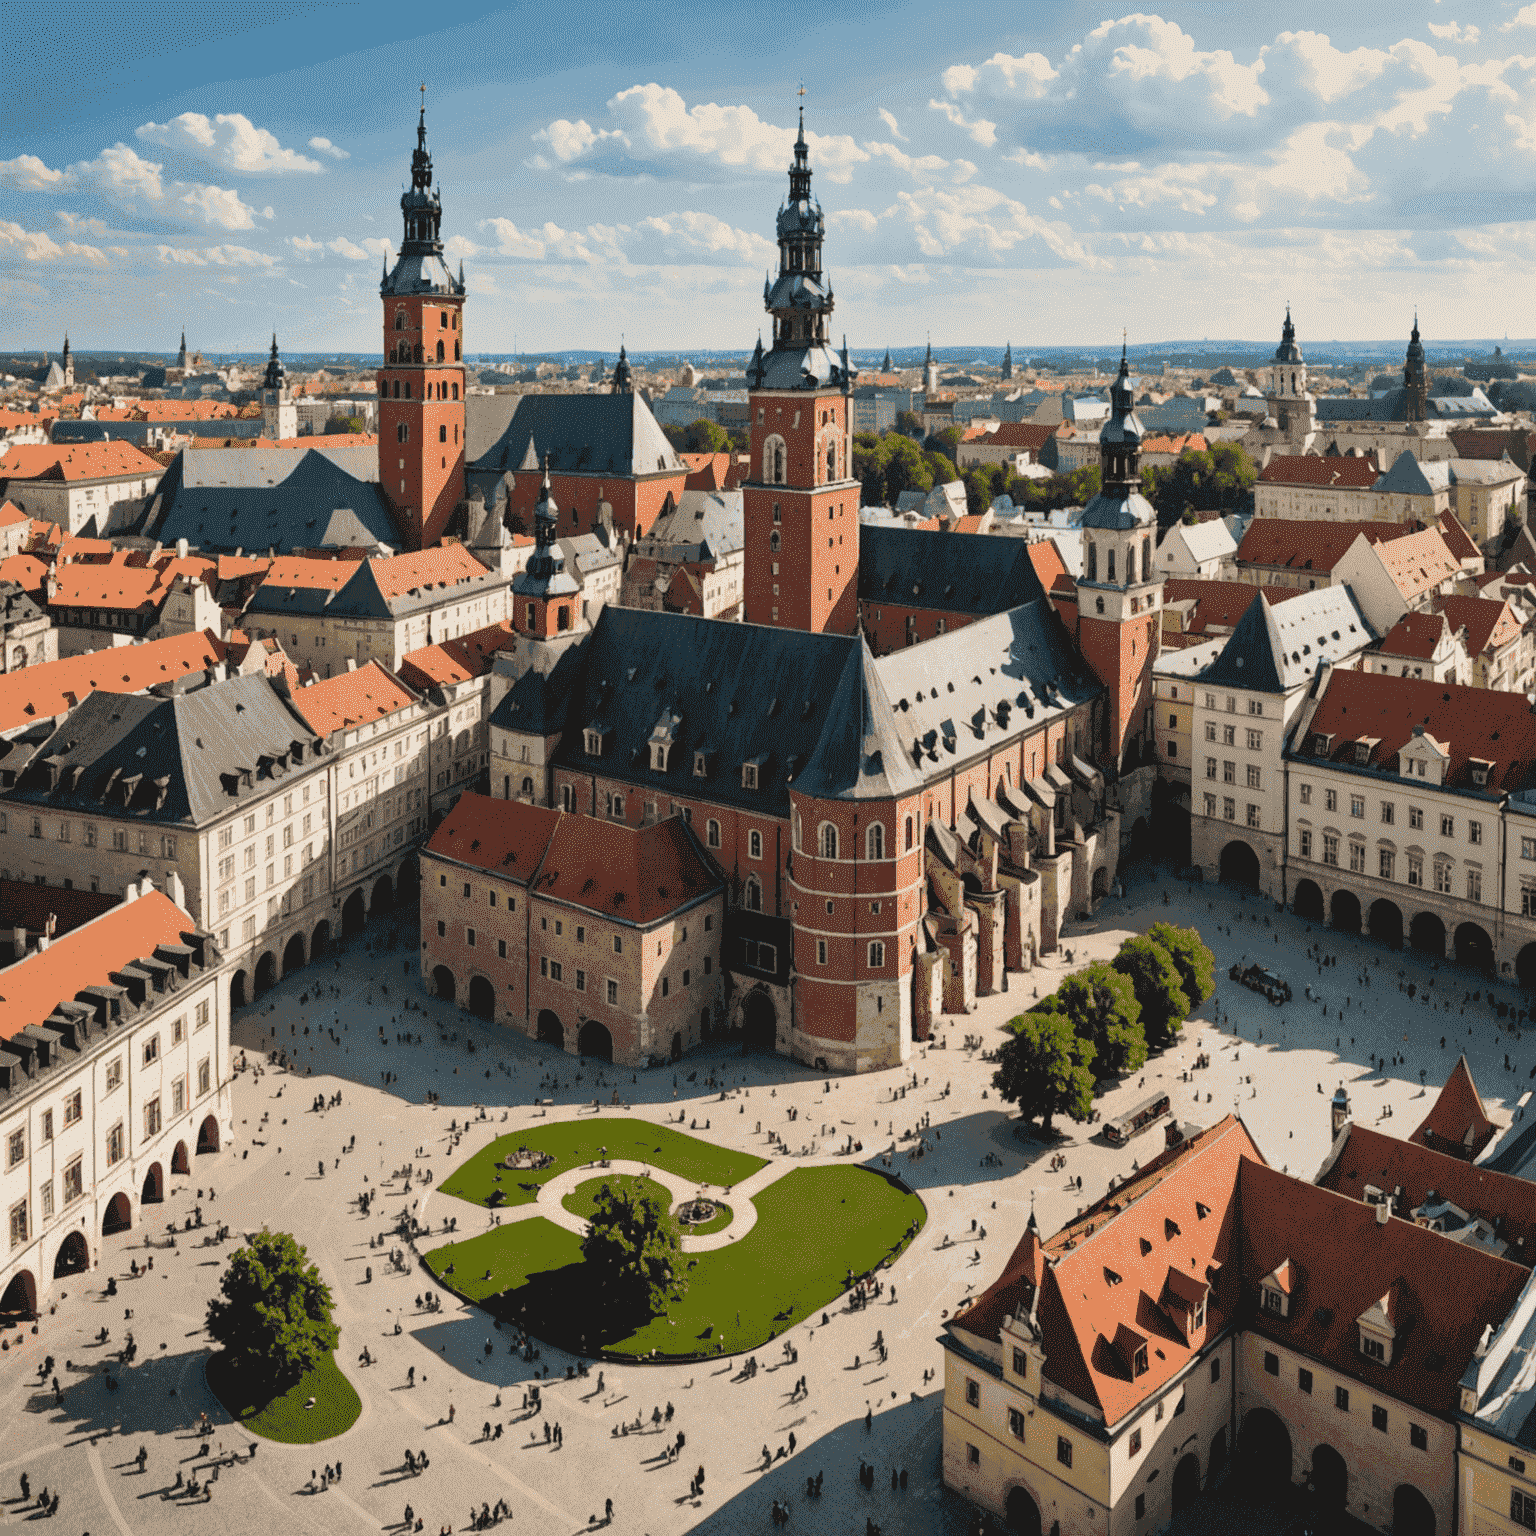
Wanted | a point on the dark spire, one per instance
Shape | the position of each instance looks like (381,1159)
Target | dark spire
(622,384)
(885,367)
(1007,372)
(275,376)
(546,515)
(66,343)
(420,267)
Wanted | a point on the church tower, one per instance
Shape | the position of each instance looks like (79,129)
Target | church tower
(1415,378)
(181,356)
(1290,402)
(930,373)
(1119,595)
(67,361)
(279,415)
(1007,372)
(421,385)
(800,500)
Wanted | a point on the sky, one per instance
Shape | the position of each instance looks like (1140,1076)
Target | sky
(1045,174)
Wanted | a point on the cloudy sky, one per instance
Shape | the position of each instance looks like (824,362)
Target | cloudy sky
(1045,173)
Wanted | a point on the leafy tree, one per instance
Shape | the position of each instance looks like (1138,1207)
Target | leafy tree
(1158,986)
(701,436)
(1218,479)
(1194,962)
(1046,1069)
(1101,1004)
(634,1249)
(888,465)
(273,1315)
(339,424)
(945,441)
(909,423)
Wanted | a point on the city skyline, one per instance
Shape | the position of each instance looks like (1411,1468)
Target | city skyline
(1185,172)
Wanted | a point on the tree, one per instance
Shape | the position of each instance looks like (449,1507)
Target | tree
(701,436)
(1046,1069)
(634,1249)
(1194,962)
(345,424)
(1101,1004)
(1158,985)
(909,423)
(1217,480)
(273,1315)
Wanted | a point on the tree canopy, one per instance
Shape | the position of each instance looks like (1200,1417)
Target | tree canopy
(892,463)
(1194,962)
(634,1249)
(1158,985)
(1046,1069)
(1101,1005)
(701,436)
(1217,480)
(273,1313)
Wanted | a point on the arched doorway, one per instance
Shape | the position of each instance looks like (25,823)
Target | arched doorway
(1309,901)
(383,896)
(1186,1482)
(20,1298)
(443,985)
(1330,1477)
(482,997)
(1474,948)
(1344,911)
(1412,1513)
(1525,966)
(1266,1448)
(180,1162)
(293,954)
(237,991)
(320,940)
(1218,1462)
(594,1040)
(1387,923)
(550,1030)
(1427,933)
(759,1022)
(1100,883)
(677,1047)
(266,973)
(118,1216)
(1021,1512)
(409,883)
(353,914)
(73,1257)
(1240,865)
(154,1186)
(1140,845)
(208,1135)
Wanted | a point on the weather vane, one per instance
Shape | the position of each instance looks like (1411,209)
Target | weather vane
(801,91)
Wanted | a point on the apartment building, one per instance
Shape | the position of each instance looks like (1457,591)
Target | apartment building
(1332,489)
(89,488)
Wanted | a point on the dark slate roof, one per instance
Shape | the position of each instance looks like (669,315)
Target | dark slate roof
(1275,649)
(704,525)
(860,755)
(17,606)
(611,434)
(1118,512)
(177,758)
(537,703)
(316,505)
(1393,406)
(951,572)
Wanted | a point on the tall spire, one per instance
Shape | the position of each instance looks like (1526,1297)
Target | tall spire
(420,267)
(622,383)
(276,377)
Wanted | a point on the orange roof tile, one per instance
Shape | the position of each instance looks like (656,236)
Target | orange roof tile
(1218,604)
(328,440)
(34,987)
(1457,539)
(1193,442)
(1457,1118)
(53,687)
(352,698)
(27,571)
(76,461)
(967,524)
(1334,472)
(443,565)
(1416,635)
(505,838)
(1031,435)
(1309,544)
(456,661)
(10,513)
(305,571)
(1047,561)
(1417,563)
(638,875)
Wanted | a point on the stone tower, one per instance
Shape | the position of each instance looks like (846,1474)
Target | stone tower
(279,415)
(930,373)
(1290,402)
(181,356)
(67,363)
(800,500)
(1339,1109)
(1415,378)
(421,385)
(1007,372)
(1119,595)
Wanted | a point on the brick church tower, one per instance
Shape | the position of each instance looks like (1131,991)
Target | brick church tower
(800,502)
(421,385)
(1120,593)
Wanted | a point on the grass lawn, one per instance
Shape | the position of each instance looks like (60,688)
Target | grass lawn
(574,1143)
(285,1418)
(582,1201)
(813,1226)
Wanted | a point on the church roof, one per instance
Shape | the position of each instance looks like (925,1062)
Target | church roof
(864,758)
(607,434)
(1456,1118)
(911,568)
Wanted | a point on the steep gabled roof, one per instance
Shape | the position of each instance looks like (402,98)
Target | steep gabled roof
(1417,563)
(1341,472)
(1417,636)
(638,875)
(610,434)
(457,661)
(76,461)
(860,754)
(506,838)
(1457,1119)
(1275,649)
(1489,622)
(350,699)
(1219,604)
(938,571)
(1308,544)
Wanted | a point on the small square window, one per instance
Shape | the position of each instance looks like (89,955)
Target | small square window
(1378,1417)
(1418,1437)
(1135,1442)
(1215,1370)
(1341,1399)
(972,1456)
(1016,1423)
(1271,1363)
(1304,1380)
(1064,1450)
(973,1394)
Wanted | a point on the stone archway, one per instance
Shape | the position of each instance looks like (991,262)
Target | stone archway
(1344,911)
(20,1298)
(73,1257)
(1525,966)
(266,973)
(408,886)
(154,1186)
(180,1162)
(293,955)
(594,1039)
(1186,1482)
(320,940)
(759,1022)
(1474,948)
(1412,1513)
(1330,1478)
(383,896)
(1140,845)
(208,1135)
(1387,923)
(1427,933)
(677,1046)
(354,913)
(237,986)
(118,1216)
(1240,865)
(1218,1462)
(1021,1512)
(443,985)
(550,1030)
(1266,1448)
(1308,901)
(482,997)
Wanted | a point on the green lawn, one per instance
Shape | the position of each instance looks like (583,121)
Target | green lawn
(813,1226)
(575,1143)
(285,1418)
(582,1201)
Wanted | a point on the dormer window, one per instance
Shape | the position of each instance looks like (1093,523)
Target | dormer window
(1480,768)
(1139,1366)
(749,773)
(659,753)
(1322,744)
(1364,746)
(1373,1348)
(593,740)
(1274,1301)
(1380,1324)
(701,765)
(1275,1290)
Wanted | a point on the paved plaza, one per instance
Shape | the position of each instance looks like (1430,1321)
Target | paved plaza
(341,1021)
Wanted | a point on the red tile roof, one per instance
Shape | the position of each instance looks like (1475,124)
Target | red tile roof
(638,875)
(1415,635)
(1490,622)
(443,565)
(1457,539)
(1309,544)
(456,661)
(33,988)
(1030,435)
(10,513)
(1345,474)
(1219,604)
(1193,442)
(169,410)
(967,524)
(27,571)
(1418,563)
(1466,722)
(351,699)
(506,838)
(24,904)
(1457,1119)
(1047,561)
(76,461)
(305,571)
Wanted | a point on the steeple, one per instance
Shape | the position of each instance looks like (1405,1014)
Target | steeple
(420,267)
(546,514)
(276,376)
(622,384)
(181,356)
(886,365)
(1415,377)
(1288,351)
(1007,372)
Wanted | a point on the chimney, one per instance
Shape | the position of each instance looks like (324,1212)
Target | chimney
(176,890)
(1383,1210)
(181,549)
(351,663)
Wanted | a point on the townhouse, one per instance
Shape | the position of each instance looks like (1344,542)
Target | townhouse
(1332,489)
(94,488)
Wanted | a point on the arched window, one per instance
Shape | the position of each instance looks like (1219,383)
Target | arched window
(1093,561)
(712,833)
(828,840)
(1130,566)
(527,786)
(773,461)
(399,319)
(909,834)
(455,387)
(832,461)
(752,894)
(397,389)
(773,542)
(455,355)
(874,841)
(567,797)
(442,434)
(754,845)
(1109,563)
(439,351)
(1146,559)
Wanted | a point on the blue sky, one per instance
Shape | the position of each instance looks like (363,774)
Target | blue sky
(1045,173)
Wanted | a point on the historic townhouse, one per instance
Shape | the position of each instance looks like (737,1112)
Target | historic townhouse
(92,488)
(114,1074)
(1331,489)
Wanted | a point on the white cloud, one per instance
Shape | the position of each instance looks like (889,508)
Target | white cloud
(981,222)
(36,245)
(220,206)
(456,248)
(511,241)
(1524,17)
(889,119)
(700,236)
(981,130)
(860,219)
(325,147)
(119,172)
(214,256)
(922,167)
(230,140)
(28,174)
(1003,75)
(304,246)
(344,247)
(1454,32)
